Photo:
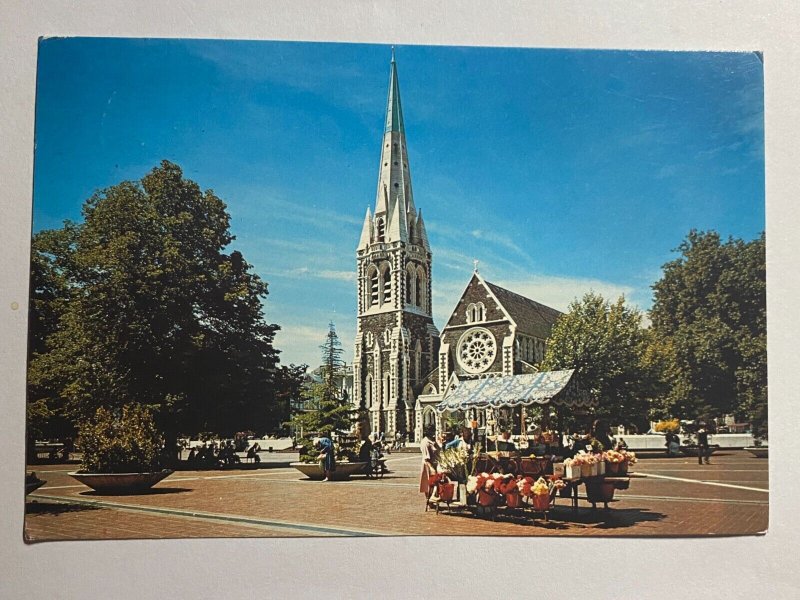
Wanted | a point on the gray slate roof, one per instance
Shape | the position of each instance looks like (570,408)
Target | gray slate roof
(531,317)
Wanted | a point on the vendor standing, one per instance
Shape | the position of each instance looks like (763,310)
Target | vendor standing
(430,457)
(327,456)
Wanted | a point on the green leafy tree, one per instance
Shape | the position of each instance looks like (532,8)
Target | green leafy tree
(289,391)
(710,310)
(139,303)
(604,342)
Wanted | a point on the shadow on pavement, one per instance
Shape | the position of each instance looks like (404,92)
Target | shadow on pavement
(150,492)
(562,518)
(35,507)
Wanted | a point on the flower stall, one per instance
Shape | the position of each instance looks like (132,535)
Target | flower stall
(508,480)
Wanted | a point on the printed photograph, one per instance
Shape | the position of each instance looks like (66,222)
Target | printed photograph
(269,298)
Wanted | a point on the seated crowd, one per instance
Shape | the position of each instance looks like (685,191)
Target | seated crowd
(213,455)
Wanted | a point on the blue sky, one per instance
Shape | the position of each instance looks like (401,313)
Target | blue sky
(561,171)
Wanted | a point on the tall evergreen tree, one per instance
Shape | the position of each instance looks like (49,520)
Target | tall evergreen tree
(329,411)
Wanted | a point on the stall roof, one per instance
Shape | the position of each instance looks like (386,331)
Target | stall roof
(515,390)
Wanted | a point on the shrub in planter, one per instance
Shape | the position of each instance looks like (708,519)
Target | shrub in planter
(121,442)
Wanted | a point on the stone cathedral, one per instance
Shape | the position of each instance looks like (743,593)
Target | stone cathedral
(396,344)
(402,367)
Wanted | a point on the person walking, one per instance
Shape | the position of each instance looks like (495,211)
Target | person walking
(430,457)
(702,445)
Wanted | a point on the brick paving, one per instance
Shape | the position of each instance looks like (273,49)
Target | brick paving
(280,502)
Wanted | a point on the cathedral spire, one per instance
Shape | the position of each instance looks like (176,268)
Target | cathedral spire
(394,178)
(394,110)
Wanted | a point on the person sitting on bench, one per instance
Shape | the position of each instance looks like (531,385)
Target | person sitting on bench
(252,453)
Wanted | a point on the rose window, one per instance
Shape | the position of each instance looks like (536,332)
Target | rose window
(476,350)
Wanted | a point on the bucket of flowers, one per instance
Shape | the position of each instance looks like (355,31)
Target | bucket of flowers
(482,485)
(630,460)
(441,487)
(542,492)
(613,460)
(590,468)
(505,486)
(584,463)
(600,463)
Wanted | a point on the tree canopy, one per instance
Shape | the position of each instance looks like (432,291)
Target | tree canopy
(139,303)
(709,317)
(604,342)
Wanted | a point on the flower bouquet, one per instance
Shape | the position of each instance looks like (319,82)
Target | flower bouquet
(630,460)
(600,463)
(542,491)
(506,486)
(582,465)
(592,470)
(483,486)
(613,460)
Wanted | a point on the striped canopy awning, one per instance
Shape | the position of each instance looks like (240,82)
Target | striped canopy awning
(515,390)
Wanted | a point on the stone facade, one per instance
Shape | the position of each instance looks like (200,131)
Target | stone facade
(396,344)
(491,332)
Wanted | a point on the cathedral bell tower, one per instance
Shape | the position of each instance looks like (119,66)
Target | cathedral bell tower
(396,341)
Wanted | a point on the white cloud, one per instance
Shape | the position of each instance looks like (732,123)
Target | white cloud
(558,292)
(307,273)
(501,240)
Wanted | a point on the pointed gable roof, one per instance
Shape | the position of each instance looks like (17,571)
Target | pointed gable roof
(366,231)
(398,222)
(422,235)
(531,317)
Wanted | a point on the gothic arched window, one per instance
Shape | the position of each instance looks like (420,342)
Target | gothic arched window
(387,389)
(476,313)
(373,292)
(368,391)
(386,283)
(421,286)
(409,284)
(381,229)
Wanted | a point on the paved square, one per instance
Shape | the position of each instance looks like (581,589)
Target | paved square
(674,496)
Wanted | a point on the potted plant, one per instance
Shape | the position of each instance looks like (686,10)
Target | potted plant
(121,451)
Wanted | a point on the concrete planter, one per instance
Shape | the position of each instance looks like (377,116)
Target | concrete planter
(759,451)
(120,483)
(32,486)
(343,470)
